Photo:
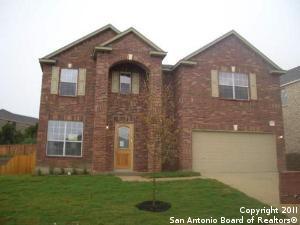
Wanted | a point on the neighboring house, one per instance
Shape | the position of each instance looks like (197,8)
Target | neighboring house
(290,98)
(22,122)
(93,102)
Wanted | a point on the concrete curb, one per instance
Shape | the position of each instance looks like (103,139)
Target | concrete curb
(144,179)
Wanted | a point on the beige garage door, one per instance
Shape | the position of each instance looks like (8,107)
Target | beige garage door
(217,152)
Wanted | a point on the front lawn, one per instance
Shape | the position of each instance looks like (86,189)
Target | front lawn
(106,200)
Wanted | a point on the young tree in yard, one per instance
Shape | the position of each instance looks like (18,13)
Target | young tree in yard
(160,121)
(168,130)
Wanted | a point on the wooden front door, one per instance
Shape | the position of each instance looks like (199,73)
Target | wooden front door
(123,146)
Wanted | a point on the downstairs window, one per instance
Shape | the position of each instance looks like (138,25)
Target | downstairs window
(64,138)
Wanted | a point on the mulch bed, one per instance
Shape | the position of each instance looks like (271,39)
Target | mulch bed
(159,206)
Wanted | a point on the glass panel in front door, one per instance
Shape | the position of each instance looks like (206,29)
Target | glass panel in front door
(123,137)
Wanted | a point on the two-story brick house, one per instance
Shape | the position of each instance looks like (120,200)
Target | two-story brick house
(226,99)
(290,97)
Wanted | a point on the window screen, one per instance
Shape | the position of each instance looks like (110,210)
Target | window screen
(68,82)
(64,138)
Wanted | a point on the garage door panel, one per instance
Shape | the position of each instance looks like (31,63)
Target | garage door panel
(234,152)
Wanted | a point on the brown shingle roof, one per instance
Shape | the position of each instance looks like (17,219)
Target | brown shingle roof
(291,76)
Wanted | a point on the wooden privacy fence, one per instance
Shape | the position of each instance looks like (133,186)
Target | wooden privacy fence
(17,159)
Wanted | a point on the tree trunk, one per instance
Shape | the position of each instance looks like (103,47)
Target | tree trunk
(153,191)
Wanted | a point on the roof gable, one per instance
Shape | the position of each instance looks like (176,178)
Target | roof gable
(107,27)
(232,32)
(138,34)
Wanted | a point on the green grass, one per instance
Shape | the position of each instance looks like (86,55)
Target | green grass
(171,174)
(97,200)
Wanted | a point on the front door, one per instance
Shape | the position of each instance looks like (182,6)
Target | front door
(123,146)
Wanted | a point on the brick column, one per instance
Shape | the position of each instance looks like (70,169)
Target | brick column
(155,88)
(43,117)
(100,114)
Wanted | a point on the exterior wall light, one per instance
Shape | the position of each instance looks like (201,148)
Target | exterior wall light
(272,123)
(129,56)
(235,127)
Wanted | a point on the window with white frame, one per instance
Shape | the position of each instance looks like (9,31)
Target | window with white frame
(68,82)
(284,97)
(125,83)
(234,86)
(64,138)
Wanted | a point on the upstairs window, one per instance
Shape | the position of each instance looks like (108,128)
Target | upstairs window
(234,86)
(68,82)
(125,83)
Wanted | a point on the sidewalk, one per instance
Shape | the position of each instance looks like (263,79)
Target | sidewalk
(144,179)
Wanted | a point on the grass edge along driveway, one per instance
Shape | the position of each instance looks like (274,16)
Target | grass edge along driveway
(105,199)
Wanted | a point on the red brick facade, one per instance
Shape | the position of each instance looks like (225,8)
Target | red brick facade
(70,108)
(197,109)
(290,187)
(111,108)
(194,106)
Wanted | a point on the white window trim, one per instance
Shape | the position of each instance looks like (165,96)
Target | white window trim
(233,87)
(76,87)
(284,94)
(129,73)
(64,141)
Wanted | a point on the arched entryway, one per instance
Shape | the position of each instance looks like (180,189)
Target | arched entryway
(128,77)
(127,107)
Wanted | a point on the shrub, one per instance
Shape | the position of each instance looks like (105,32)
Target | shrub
(39,172)
(85,171)
(29,140)
(51,170)
(62,171)
(74,171)
(10,135)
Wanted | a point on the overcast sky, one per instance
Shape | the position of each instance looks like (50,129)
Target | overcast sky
(31,29)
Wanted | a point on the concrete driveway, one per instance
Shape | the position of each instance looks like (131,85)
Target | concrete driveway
(261,186)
